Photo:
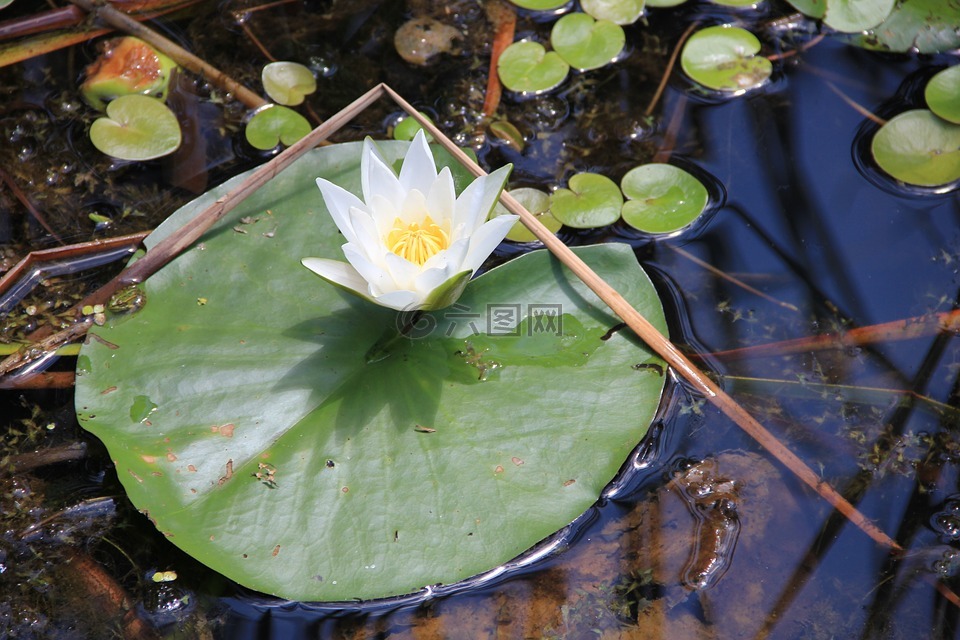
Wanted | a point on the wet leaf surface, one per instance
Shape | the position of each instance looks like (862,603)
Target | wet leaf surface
(281,433)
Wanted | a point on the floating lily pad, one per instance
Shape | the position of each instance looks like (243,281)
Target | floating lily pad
(919,148)
(536,202)
(943,94)
(136,128)
(287,82)
(737,3)
(591,201)
(540,5)
(585,43)
(723,58)
(616,11)
(926,26)
(298,448)
(274,125)
(406,128)
(662,198)
(847,16)
(527,67)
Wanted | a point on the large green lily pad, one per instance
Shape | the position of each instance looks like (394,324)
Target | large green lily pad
(267,423)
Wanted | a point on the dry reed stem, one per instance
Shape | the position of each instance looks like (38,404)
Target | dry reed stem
(177,53)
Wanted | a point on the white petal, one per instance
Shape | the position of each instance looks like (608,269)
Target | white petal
(339,201)
(384,213)
(403,272)
(442,197)
(450,259)
(485,240)
(378,279)
(376,177)
(419,169)
(369,239)
(339,273)
(477,200)
(430,279)
(414,208)
(400,300)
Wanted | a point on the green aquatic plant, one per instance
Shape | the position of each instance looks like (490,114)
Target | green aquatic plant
(540,5)
(318,447)
(919,148)
(620,12)
(287,83)
(591,200)
(136,127)
(273,125)
(407,127)
(848,16)
(724,58)
(536,202)
(924,26)
(585,43)
(527,67)
(662,198)
(942,94)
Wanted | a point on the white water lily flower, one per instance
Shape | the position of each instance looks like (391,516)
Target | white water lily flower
(411,242)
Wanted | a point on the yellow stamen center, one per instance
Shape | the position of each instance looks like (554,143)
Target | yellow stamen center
(417,241)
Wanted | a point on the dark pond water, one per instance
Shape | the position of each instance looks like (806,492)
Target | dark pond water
(705,535)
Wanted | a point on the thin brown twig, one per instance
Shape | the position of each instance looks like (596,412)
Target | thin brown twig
(177,53)
(25,201)
(773,57)
(661,345)
(255,40)
(670,136)
(859,108)
(42,380)
(729,278)
(670,63)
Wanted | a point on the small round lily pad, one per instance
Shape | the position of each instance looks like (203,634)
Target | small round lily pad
(136,127)
(406,128)
(585,43)
(662,198)
(943,94)
(616,11)
(540,5)
(527,67)
(919,148)
(591,201)
(723,58)
(273,125)
(287,82)
(536,202)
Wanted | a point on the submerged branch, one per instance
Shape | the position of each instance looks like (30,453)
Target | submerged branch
(917,327)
